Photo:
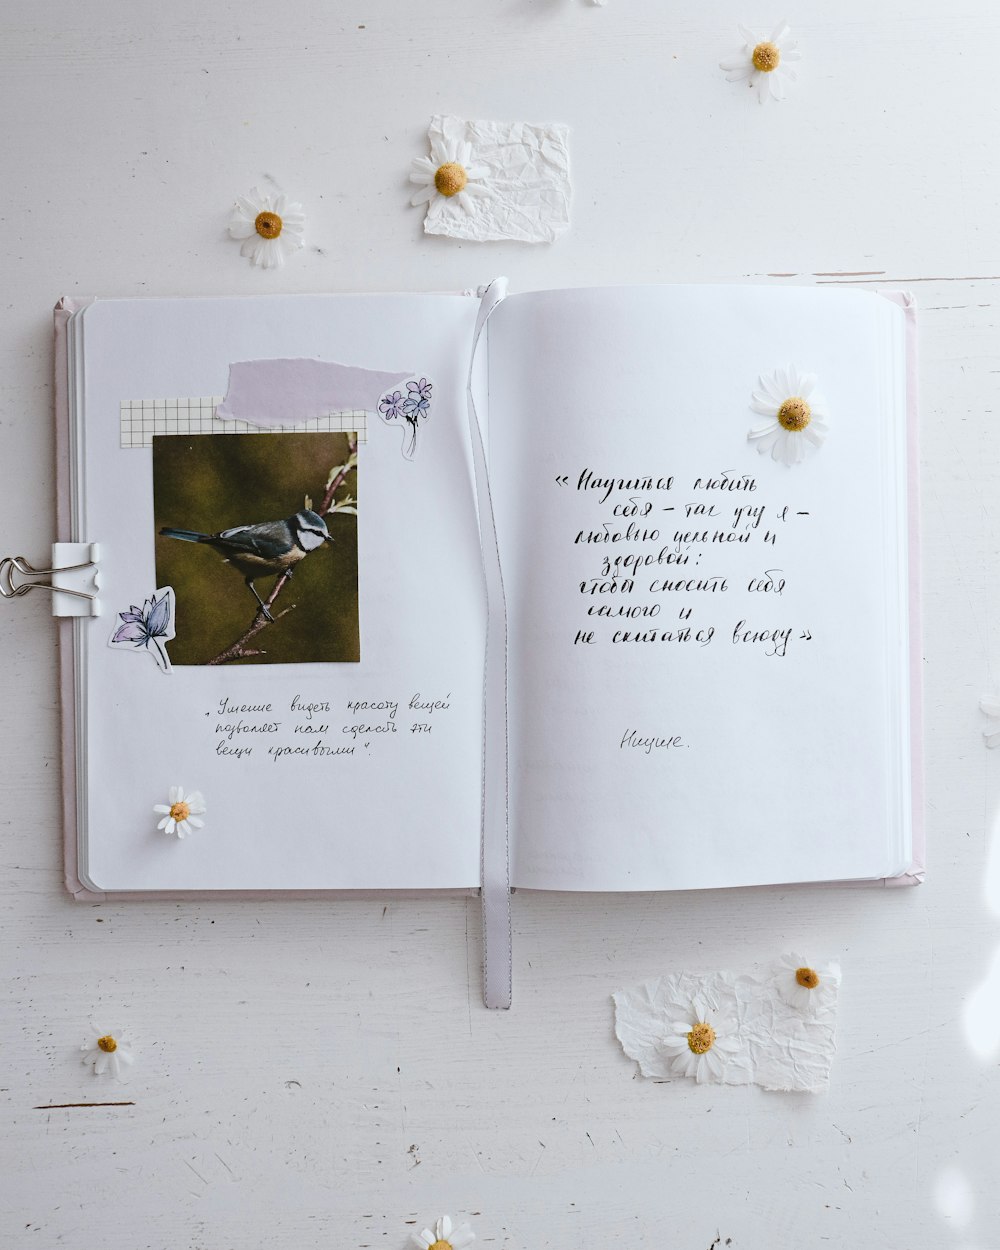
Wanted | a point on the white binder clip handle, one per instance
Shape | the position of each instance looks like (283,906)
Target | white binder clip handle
(74,579)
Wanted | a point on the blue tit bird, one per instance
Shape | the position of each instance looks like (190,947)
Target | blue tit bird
(265,549)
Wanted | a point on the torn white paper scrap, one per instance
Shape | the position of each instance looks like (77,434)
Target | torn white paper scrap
(735,1028)
(488,181)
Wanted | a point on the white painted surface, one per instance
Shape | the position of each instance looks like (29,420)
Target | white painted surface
(315,1075)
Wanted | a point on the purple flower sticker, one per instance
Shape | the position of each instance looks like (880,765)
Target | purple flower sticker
(391,405)
(149,627)
(412,409)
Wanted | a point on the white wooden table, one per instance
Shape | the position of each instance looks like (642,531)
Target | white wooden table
(318,1075)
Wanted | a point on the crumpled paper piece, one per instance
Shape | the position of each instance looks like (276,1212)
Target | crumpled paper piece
(527,180)
(781,1046)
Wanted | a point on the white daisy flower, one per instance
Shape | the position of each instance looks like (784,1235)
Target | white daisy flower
(445,176)
(181,814)
(796,415)
(764,62)
(990,704)
(810,988)
(108,1054)
(699,1039)
(268,225)
(444,1236)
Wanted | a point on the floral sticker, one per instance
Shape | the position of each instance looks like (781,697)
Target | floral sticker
(409,410)
(149,627)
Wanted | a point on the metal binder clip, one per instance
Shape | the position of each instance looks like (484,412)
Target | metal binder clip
(73,585)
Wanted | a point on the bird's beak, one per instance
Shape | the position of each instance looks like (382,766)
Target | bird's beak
(328,538)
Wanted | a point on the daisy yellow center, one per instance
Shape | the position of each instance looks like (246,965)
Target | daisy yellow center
(794,414)
(449,180)
(440,1245)
(701,1039)
(107,1044)
(179,811)
(807,977)
(766,56)
(267,225)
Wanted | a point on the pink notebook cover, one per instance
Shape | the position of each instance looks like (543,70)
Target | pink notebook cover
(914,875)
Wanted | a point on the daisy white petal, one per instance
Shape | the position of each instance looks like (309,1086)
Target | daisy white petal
(809,987)
(422,168)
(990,705)
(692,1039)
(448,179)
(445,1234)
(268,226)
(764,62)
(182,815)
(108,1054)
(798,426)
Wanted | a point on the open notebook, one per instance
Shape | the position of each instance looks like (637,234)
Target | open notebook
(707,676)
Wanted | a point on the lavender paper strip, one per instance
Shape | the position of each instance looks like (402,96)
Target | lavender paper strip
(287,392)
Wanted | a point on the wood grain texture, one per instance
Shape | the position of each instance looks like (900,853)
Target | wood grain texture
(317,1075)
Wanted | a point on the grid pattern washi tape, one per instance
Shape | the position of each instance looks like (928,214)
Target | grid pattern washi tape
(142,418)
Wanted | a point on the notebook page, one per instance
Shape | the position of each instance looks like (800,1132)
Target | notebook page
(708,667)
(361,772)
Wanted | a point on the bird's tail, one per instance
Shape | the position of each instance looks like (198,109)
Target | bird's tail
(189,536)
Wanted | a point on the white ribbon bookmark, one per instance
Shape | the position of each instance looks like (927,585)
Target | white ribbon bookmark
(495,839)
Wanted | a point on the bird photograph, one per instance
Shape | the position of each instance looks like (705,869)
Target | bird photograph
(231,508)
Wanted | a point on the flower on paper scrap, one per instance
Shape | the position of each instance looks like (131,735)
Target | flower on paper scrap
(413,408)
(990,704)
(269,226)
(796,415)
(699,1039)
(444,1236)
(182,814)
(810,988)
(108,1054)
(447,176)
(149,627)
(764,63)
